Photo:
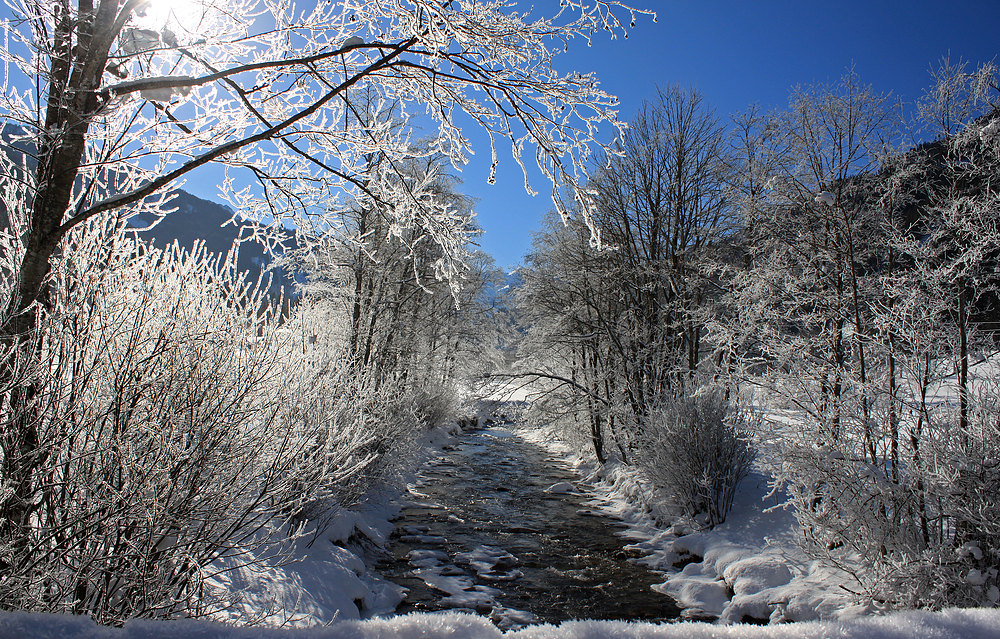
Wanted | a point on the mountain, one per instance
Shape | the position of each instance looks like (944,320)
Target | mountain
(198,219)
(194,218)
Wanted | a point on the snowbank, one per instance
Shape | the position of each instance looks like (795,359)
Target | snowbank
(327,577)
(323,581)
(948,624)
(748,569)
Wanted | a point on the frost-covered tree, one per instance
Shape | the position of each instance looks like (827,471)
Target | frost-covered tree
(870,277)
(810,237)
(802,301)
(639,295)
(936,326)
(616,334)
(565,307)
(402,317)
(181,430)
(116,101)
(661,208)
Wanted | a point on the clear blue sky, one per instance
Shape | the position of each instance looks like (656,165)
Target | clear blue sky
(736,53)
(740,52)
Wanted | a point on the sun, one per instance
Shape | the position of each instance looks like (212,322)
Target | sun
(185,17)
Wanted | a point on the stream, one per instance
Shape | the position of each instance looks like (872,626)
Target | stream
(482,534)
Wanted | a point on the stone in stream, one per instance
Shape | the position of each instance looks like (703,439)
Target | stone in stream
(485,560)
(433,540)
(426,558)
(560,488)
(511,619)
(414,530)
(520,530)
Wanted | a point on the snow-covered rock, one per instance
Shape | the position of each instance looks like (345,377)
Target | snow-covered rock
(560,488)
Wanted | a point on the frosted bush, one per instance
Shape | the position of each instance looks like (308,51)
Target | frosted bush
(178,420)
(358,430)
(437,404)
(926,525)
(697,449)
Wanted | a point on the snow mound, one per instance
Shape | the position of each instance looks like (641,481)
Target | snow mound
(491,563)
(560,488)
(321,577)
(700,594)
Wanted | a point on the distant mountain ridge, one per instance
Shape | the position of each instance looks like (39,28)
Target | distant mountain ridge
(196,219)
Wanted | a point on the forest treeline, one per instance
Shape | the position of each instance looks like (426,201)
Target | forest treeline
(814,263)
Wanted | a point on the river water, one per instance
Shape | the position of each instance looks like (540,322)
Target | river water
(483,534)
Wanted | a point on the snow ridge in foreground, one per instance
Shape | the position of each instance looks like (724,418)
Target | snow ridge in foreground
(974,623)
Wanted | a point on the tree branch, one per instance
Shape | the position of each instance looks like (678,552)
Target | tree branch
(557,378)
(151,187)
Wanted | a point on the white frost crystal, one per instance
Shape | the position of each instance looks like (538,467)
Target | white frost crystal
(989,131)
(825,197)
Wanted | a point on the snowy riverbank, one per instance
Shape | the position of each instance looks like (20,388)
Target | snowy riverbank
(748,569)
(328,576)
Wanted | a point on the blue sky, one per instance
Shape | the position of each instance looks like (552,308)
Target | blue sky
(736,53)
(740,53)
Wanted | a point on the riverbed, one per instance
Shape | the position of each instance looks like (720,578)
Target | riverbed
(495,525)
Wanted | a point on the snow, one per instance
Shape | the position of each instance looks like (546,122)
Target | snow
(320,582)
(490,562)
(326,576)
(699,594)
(560,488)
(433,567)
(989,131)
(947,624)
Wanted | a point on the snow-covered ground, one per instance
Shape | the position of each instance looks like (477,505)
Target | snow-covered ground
(751,567)
(329,579)
(948,624)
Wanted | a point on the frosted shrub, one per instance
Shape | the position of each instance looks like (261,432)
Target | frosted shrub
(177,422)
(155,451)
(697,449)
(926,525)
(957,561)
(356,430)
(437,404)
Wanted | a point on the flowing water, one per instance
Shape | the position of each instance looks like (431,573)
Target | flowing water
(483,534)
